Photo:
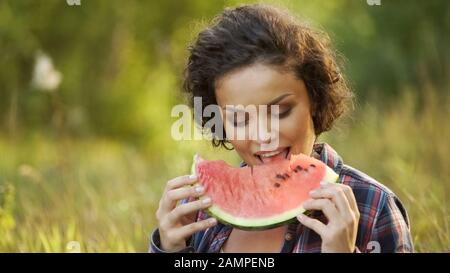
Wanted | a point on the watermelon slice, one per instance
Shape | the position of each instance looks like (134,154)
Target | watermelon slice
(264,196)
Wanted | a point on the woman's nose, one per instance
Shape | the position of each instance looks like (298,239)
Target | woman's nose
(262,133)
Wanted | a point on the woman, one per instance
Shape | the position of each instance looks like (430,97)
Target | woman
(259,55)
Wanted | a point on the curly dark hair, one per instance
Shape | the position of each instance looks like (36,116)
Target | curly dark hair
(260,33)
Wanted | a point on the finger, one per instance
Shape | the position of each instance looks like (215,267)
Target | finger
(336,195)
(180,181)
(312,223)
(188,230)
(171,198)
(325,205)
(348,192)
(188,208)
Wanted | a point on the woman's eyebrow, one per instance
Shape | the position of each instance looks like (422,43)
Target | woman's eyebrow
(272,102)
(279,98)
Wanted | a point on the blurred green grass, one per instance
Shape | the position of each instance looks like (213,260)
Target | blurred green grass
(102,194)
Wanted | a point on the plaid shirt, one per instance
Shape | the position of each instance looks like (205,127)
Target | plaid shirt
(383,224)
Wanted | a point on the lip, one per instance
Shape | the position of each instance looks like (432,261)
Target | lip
(259,153)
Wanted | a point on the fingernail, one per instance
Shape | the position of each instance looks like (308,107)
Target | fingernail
(312,192)
(323,183)
(212,221)
(199,189)
(300,217)
(193,176)
(206,200)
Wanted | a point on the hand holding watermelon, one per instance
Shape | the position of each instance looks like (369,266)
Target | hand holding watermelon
(177,223)
(338,203)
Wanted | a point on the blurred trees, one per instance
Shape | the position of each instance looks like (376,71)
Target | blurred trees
(121,61)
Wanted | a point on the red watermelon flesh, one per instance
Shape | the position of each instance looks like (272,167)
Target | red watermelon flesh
(264,196)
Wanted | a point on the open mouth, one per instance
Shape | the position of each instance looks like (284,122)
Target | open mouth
(272,156)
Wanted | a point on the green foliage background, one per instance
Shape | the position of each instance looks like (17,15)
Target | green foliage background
(87,162)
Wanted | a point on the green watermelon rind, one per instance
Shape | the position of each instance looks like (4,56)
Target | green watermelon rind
(262,223)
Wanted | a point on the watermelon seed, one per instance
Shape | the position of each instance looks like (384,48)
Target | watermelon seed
(312,165)
(299,168)
(286,176)
(280,176)
(277,185)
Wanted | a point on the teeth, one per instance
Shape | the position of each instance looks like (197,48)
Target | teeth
(270,154)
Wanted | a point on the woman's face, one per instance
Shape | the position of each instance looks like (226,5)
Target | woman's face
(260,84)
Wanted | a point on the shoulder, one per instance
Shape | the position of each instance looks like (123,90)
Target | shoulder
(372,196)
(382,215)
(363,183)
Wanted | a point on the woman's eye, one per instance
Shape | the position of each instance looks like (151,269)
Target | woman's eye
(240,120)
(240,124)
(283,113)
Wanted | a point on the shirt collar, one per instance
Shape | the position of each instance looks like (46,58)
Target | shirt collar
(326,154)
